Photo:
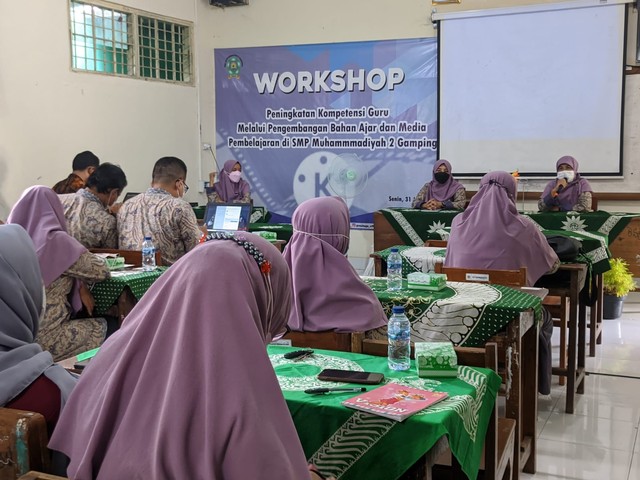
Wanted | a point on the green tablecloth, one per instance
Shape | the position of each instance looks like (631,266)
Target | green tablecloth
(417,226)
(106,293)
(595,252)
(355,445)
(283,230)
(464,313)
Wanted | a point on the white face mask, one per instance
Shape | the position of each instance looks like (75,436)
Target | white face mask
(568,174)
(235,176)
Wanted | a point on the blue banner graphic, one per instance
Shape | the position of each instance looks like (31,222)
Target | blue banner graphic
(358,120)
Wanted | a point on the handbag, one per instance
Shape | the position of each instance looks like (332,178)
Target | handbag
(566,248)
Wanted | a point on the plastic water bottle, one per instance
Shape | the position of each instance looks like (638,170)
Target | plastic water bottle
(394,270)
(148,255)
(399,335)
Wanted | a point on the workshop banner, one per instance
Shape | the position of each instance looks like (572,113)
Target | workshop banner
(357,120)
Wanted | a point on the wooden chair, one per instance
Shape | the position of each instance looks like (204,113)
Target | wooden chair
(499,444)
(132,257)
(436,243)
(33,475)
(509,278)
(517,402)
(23,443)
(328,340)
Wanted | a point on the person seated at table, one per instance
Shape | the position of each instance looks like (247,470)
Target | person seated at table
(29,378)
(65,266)
(83,166)
(87,211)
(162,213)
(491,234)
(184,390)
(328,294)
(443,192)
(568,192)
(230,187)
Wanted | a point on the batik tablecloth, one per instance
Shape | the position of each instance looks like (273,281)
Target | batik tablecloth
(464,313)
(106,293)
(353,445)
(417,226)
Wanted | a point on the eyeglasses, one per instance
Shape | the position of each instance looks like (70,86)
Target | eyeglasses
(186,187)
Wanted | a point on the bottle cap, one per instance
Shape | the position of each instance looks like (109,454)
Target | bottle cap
(394,249)
(398,309)
(147,237)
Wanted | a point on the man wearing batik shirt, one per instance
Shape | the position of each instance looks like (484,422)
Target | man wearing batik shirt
(83,165)
(87,211)
(161,213)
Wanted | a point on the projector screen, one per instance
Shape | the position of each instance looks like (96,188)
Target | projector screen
(520,90)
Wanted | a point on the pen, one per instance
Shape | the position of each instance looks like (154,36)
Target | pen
(316,391)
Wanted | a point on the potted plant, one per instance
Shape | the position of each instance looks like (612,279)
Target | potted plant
(616,284)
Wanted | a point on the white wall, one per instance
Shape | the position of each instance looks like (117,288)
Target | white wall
(48,113)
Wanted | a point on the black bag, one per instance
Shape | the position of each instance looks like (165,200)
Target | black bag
(566,248)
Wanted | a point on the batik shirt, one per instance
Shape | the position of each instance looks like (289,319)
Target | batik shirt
(59,333)
(456,202)
(71,184)
(169,221)
(88,221)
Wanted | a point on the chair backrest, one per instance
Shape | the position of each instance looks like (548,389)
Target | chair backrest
(594,202)
(329,340)
(132,257)
(436,243)
(33,475)
(23,443)
(509,278)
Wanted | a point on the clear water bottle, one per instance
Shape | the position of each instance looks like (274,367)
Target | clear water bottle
(394,270)
(148,255)
(399,335)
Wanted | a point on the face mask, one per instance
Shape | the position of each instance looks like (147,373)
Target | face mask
(235,176)
(568,174)
(441,177)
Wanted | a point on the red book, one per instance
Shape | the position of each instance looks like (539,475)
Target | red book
(394,401)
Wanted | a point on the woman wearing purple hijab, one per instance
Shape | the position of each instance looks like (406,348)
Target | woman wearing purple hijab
(443,192)
(231,187)
(569,192)
(328,294)
(490,234)
(185,389)
(65,264)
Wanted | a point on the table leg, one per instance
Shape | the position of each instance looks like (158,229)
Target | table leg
(582,347)
(530,398)
(573,334)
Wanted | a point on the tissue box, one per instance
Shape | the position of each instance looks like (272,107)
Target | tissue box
(427,281)
(115,263)
(436,359)
(267,235)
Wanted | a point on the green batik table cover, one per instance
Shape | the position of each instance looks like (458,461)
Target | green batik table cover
(416,259)
(595,252)
(106,293)
(417,226)
(282,230)
(463,313)
(353,445)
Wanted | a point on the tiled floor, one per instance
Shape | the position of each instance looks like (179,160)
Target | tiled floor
(600,440)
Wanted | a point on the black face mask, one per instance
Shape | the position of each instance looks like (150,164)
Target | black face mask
(441,177)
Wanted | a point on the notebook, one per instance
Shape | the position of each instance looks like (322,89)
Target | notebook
(227,217)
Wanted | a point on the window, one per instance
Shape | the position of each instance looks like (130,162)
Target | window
(122,41)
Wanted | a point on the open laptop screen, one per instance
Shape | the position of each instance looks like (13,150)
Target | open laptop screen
(227,217)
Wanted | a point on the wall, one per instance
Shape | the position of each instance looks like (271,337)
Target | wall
(48,113)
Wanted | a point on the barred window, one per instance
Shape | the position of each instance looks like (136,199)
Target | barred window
(116,40)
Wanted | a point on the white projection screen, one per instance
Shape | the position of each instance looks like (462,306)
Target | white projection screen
(520,90)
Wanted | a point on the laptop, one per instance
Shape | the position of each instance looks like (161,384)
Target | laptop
(227,217)
(130,195)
